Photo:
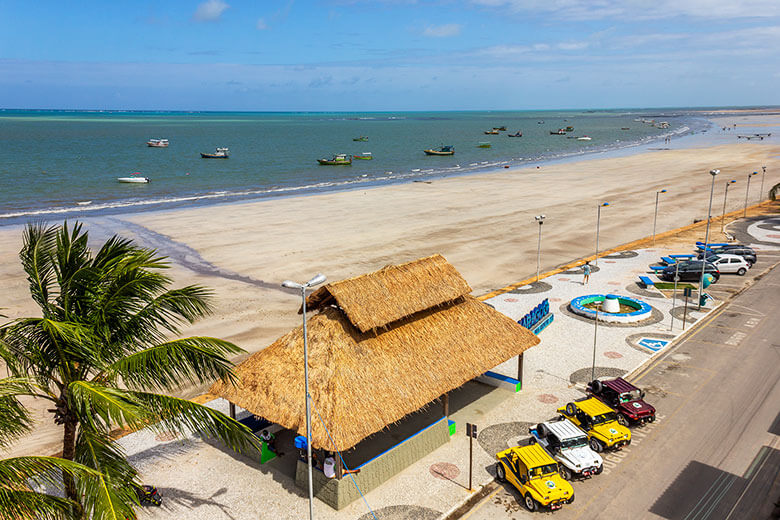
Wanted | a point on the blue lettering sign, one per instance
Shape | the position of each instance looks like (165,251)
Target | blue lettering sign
(536,315)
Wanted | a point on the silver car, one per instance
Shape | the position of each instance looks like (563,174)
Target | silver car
(730,263)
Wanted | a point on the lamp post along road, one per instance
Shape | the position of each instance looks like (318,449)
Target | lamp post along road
(747,192)
(725,194)
(292,285)
(706,237)
(598,225)
(595,334)
(540,220)
(655,215)
(761,193)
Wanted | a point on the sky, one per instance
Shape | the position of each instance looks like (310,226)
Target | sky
(391,55)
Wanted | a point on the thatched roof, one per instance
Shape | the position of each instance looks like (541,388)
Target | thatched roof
(361,382)
(377,299)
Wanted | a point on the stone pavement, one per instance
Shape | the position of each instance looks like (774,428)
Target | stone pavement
(202,480)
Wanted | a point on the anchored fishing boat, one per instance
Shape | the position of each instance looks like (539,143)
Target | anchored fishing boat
(361,138)
(336,160)
(443,150)
(136,178)
(365,156)
(516,134)
(483,144)
(221,153)
(157,143)
(492,132)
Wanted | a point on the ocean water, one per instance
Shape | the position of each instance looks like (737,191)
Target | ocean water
(56,164)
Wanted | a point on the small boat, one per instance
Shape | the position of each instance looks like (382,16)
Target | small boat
(492,132)
(365,156)
(516,134)
(540,122)
(136,178)
(444,150)
(500,128)
(569,128)
(157,143)
(361,138)
(336,160)
(560,131)
(625,128)
(583,138)
(221,153)
(483,144)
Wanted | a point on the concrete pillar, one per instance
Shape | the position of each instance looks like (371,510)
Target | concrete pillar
(520,369)
(232,411)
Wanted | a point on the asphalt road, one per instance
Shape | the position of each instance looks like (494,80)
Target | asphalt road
(714,452)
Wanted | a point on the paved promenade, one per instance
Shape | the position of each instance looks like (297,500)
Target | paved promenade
(200,480)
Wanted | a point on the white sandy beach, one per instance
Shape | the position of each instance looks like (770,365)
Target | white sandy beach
(482,224)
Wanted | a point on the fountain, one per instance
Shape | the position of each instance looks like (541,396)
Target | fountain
(611,308)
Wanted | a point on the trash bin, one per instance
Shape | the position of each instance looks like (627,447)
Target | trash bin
(702,300)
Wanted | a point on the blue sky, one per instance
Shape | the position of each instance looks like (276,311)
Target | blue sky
(361,55)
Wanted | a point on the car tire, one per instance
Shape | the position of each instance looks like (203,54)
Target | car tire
(651,419)
(571,410)
(622,420)
(742,271)
(532,441)
(500,472)
(530,503)
(571,499)
(566,473)
(596,386)
(596,445)
(599,470)
(541,429)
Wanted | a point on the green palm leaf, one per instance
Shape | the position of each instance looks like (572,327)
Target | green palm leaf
(36,257)
(102,407)
(194,360)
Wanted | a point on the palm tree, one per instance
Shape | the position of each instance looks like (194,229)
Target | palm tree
(19,475)
(774,190)
(99,351)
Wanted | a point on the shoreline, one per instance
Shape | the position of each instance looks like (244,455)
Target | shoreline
(483,224)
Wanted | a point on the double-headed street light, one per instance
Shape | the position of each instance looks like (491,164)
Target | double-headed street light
(598,224)
(655,215)
(747,192)
(302,287)
(725,194)
(540,220)
(706,237)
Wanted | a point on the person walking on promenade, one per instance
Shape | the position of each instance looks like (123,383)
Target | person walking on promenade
(586,273)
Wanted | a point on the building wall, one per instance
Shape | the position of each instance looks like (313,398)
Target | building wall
(339,493)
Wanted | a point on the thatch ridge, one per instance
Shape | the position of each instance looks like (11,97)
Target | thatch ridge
(377,299)
(361,382)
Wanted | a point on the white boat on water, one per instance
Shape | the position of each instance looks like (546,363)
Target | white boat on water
(157,143)
(136,178)
(584,138)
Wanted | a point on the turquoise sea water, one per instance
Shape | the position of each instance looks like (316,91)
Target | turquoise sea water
(57,163)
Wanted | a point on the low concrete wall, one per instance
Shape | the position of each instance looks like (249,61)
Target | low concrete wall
(339,493)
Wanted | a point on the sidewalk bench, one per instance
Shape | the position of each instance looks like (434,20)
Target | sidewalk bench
(647,281)
(668,260)
(657,268)
(681,256)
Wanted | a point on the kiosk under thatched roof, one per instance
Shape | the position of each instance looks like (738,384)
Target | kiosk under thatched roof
(363,378)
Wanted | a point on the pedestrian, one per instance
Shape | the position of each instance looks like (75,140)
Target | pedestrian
(586,273)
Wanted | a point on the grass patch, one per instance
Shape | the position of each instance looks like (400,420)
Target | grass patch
(669,286)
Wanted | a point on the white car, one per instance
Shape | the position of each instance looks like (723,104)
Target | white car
(730,264)
(569,446)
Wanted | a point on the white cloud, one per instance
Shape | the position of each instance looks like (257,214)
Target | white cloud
(442,31)
(641,9)
(210,11)
(261,25)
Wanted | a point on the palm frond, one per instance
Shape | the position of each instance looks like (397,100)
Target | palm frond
(774,190)
(15,419)
(112,495)
(100,407)
(170,365)
(18,472)
(174,414)
(36,255)
(21,504)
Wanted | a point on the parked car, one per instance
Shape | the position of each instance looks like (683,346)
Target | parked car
(689,271)
(728,263)
(534,473)
(569,446)
(599,422)
(734,249)
(624,398)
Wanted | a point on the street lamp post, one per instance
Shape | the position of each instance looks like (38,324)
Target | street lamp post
(706,237)
(725,194)
(747,192)
(655,215)
(540,220)
(761,193)
(595,334)
(598,224)
(292,285)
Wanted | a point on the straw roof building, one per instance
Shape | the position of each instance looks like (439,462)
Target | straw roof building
(383,345)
